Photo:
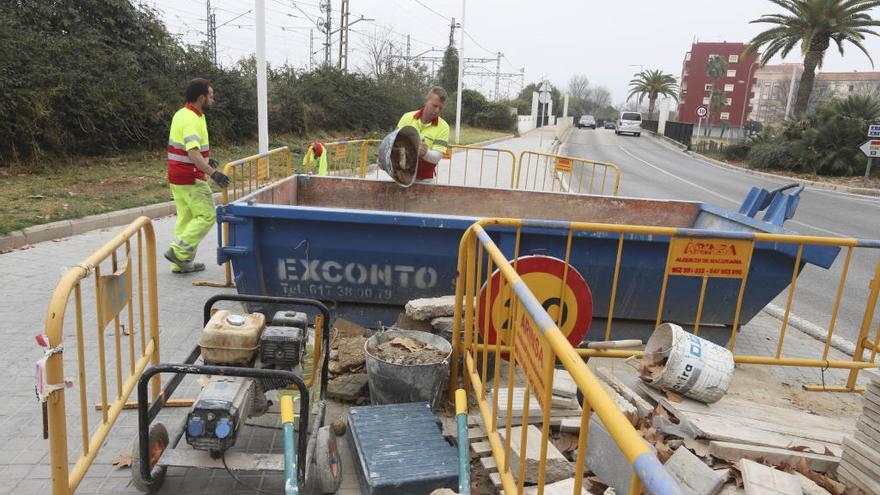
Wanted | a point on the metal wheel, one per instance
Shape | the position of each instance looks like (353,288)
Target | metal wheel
(158,438)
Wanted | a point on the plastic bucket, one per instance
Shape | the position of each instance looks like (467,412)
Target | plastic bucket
(397,383)
(695,367)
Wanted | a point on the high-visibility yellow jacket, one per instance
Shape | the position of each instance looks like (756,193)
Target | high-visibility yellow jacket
(435,134)
(189,130)
(316,152)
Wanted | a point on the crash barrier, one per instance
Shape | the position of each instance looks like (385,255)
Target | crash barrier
(246,175)
(533,337)
(714,282)
(119,279)
(550,172)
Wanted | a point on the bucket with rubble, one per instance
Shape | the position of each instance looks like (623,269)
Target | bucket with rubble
(406,366)
(684,363)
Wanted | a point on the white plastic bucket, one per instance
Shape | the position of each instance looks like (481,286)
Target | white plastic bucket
(695,367)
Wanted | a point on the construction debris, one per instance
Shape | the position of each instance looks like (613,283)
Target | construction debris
(557,468)
(642,407)
(693,475)
(860,465)
(404,322)
(560,407)
(605,459)
(348,387)
(408,351)
(759,479)
(733,452)
(432,307)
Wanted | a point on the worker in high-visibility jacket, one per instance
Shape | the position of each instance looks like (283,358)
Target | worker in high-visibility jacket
(317,152)
(188,166)
(434,132)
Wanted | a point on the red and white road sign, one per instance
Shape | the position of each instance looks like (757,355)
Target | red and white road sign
(569,305)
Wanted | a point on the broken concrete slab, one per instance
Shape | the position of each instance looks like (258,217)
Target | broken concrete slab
(443,326)
(759,479)
(642,406)
(852,476)
(695,477)
(405,322)
(564,487)
(563,383)
(347,388)
(731,489)
(731,451)
(561,407)
(605,459)
(809,486)
(624,405)
(430,307)
(557,467)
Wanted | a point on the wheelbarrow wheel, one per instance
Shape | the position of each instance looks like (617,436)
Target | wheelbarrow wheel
(324,471)
(158,439)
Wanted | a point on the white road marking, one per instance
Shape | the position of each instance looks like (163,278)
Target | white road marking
(702,188)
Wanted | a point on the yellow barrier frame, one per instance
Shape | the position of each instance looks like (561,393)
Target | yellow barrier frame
(562,165)
(525,308)
(246,175)
(114,293)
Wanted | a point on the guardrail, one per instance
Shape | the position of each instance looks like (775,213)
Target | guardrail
(550,172)
(123,272)
(347,158)
(246,175)
(533,343)
(712,276)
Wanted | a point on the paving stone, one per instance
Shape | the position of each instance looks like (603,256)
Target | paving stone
(557,468)
(695,477)
(605,459)
(430,307)
(347,388)
(759,479)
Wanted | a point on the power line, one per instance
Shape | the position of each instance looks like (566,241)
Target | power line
(432,10)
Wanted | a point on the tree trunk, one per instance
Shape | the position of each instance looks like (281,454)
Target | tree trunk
(651,102)
(811,61)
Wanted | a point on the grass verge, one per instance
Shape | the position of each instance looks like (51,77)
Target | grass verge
(63,188)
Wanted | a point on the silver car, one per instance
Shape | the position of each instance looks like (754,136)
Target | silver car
(629,123)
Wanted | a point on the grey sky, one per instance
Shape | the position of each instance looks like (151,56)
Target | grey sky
(606,41)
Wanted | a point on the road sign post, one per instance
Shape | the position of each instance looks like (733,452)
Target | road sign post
(870,148)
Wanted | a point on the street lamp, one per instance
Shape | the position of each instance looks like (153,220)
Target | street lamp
(742,115)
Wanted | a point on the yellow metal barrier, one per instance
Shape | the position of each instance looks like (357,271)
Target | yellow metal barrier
(548,172)
(246,175)
(730,262)
(124,289)
(534,344)
(347,158)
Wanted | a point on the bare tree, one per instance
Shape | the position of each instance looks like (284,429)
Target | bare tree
(601,97)
(379,52)
(579,87)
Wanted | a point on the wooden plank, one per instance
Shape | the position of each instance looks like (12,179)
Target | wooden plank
(733,452)
(735,420)
(642,407)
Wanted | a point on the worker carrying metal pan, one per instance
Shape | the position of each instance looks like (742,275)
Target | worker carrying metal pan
(411,153)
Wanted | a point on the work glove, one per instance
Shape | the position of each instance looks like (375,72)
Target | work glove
(213,163)
(220,178)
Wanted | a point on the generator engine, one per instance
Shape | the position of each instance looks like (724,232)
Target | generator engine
(222,407)
(226,402)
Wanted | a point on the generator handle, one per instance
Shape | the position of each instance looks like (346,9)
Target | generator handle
(144,418)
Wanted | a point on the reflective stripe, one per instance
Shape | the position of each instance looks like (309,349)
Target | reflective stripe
(180,158)
(438,142)
(177,145)
(204,147)
(191,137)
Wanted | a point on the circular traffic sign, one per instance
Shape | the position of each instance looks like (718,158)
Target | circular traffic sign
(544,97)
(543,275)
(701,111)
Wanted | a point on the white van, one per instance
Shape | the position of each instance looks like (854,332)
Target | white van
(629,122)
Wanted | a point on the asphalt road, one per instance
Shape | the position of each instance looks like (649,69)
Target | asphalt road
(652,169)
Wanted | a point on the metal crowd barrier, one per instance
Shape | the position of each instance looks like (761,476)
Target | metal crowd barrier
(246,176)
(549,172)
(496,167)
(346,158)
(611,277)
(124,292)
(534,340)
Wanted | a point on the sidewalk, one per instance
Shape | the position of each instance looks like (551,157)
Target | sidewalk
(30,275)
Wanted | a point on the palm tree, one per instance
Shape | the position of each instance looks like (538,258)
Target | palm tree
(652,84)
(813,25)
(716,68)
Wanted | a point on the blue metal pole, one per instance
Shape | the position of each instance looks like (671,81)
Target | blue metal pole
(464,456)
(291,486)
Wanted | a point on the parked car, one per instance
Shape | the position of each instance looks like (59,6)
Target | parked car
(586,121)
(629,122)
(609,124)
